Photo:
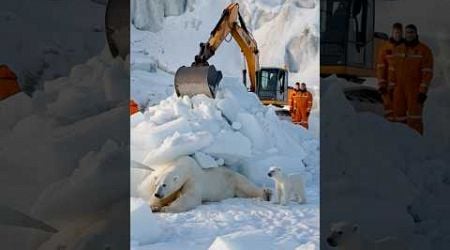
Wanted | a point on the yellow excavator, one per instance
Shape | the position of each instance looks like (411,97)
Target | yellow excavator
(269,84)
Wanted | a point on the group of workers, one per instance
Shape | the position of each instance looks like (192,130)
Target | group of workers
(301,101)
(404,73)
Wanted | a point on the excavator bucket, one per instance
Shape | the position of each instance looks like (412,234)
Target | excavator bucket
(196,80)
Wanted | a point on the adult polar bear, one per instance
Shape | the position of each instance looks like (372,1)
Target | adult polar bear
(182,185)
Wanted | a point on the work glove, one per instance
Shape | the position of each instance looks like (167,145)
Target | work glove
(421,97)
(383,90)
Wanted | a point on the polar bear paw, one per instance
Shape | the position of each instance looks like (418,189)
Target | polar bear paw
(267,194)
(155,209)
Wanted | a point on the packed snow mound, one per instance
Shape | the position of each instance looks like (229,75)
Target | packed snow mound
(15,107)
(256,239)
(203,127)
(92,167)
(39,55)
(59,115)
(144,227)
(59,149)
(206,161)
(91,88)
(243,240)
(105,229)
(363,148)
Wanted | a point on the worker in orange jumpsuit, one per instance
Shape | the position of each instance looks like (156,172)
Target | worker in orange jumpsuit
(8,82)
(134,107)
(413,72)
(301,103)
(385,61)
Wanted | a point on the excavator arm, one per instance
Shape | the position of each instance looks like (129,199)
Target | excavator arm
(232,22)
(201,78)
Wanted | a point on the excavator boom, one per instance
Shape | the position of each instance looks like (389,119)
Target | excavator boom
(201,78)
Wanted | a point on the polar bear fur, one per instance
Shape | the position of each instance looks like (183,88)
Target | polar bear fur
(347,236)
(287,186)
(183,185)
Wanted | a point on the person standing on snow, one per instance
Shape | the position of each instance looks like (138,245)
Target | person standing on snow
(385,61)
(301,103)
(413,72)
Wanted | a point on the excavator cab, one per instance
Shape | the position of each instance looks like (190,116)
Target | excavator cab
(348,43)
(349,47)
(271,87)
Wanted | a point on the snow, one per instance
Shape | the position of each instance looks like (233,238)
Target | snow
(242,240)
(147,15)
(59,149)
(178,145)
(230,146)
(16,108)
(46,44)
(144,228)
(234,129)
(185,130)
(287,227)
(255,239)
(287,36)
(236,125)
(205,161)
(252,130)
(203,127)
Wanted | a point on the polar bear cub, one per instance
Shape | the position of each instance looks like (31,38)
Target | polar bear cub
(346,236)
(287,186)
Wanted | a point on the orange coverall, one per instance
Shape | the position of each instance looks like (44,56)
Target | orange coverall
(8,82)
(134,108)
(412,72)
(385,80)
(301,103)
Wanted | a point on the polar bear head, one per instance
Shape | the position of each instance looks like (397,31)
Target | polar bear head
(167,186)
(274,172)
(170,178)
(167,183)
(342,233)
